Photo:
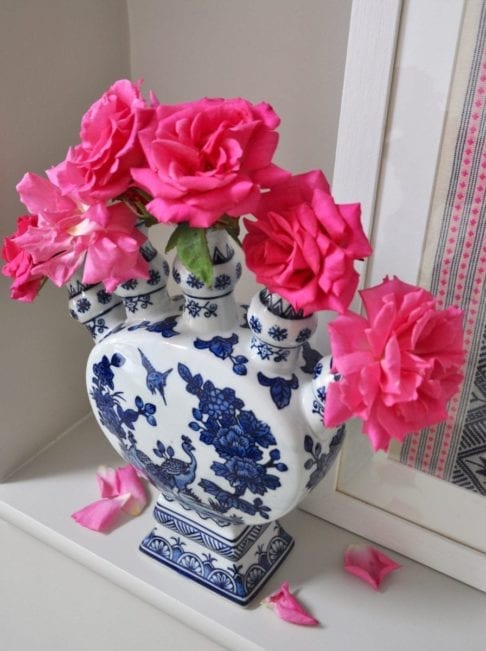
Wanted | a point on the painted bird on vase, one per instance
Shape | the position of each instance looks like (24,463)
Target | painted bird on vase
(155,380)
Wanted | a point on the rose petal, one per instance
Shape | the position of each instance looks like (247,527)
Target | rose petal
(369,564)
(129,482)
(101,515)
(108,482)
(288,608)
(123,481)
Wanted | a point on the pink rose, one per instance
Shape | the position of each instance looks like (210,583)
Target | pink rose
(19,264)
(400,364)
(64,236)
(99,167)
(303,245)
(208,158)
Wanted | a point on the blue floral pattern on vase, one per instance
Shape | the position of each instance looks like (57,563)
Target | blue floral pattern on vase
(223,281)
(277,333)
(239,438)
(267,352)
(320,461)
(223,347)
(194,282)
(303,335)
(280,388)
(199,308)
(255,324)
(113,416)
(244,444)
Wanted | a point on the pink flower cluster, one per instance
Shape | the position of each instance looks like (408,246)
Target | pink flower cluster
(400,364)
(75,221)
(199,162)
(303,245)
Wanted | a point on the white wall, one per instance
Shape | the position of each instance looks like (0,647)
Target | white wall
(56,57)
(286,52)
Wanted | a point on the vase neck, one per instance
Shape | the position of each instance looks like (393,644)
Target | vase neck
(207,309)
(278,332)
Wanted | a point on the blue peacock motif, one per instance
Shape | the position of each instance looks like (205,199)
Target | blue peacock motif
(244,444)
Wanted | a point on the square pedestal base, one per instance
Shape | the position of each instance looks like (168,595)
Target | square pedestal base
(259,551)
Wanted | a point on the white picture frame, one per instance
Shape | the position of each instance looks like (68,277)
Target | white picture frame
(401,60)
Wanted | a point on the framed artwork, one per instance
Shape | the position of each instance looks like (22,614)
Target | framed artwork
(412,144)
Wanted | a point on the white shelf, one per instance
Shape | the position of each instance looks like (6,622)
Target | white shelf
(418,608)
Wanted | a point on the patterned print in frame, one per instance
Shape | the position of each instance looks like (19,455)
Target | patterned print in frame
(454,266)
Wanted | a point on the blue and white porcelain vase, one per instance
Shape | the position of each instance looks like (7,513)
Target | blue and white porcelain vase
(219,406)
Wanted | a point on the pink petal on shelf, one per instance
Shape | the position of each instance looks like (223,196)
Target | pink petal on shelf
(129,483)
(288,608)
(108,482)
(124,482)
(101,515)
(369,564)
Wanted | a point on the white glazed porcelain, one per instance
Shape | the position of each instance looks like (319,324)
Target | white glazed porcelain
(220,409)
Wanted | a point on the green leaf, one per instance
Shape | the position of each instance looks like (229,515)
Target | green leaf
(193,251)
(172,241)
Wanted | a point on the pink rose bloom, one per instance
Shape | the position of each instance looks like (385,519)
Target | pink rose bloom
(19,264)
(208,158)
(99,167)
(400,364)
(66,235)
(303,245)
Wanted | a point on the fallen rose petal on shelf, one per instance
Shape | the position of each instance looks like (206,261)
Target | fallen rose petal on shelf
(129,482)
(123,481)
(369,564)
(288,608)
(101,515)
(108,482)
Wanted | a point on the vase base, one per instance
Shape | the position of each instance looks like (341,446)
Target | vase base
(239,581)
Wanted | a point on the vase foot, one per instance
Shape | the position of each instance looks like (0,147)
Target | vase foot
(234,568)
